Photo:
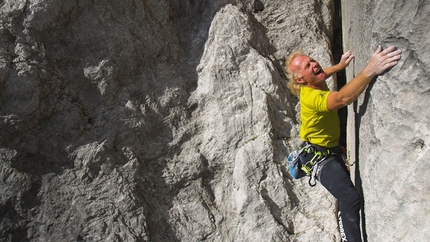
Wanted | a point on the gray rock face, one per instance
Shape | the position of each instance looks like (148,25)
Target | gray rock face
(392,118)
(170,121)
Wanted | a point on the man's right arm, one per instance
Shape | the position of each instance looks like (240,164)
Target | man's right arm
(343,63)
(380,61)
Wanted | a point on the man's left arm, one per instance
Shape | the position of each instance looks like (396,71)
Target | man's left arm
(343,63)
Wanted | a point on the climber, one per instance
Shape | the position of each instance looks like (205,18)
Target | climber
(320,124)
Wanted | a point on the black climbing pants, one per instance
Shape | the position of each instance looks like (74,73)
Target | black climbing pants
(335,178)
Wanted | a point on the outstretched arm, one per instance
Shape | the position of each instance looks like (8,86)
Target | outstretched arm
(380,61)
(343,63)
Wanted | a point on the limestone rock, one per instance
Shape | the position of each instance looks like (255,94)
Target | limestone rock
(170,121)
(391,130)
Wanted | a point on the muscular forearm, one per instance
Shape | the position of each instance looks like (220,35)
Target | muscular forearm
(350,92)
(378,63)
(343,63)
(333,69)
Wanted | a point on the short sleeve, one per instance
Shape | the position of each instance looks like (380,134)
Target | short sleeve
(317,100)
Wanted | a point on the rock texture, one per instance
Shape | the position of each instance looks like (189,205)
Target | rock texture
(392,118)
(169,120)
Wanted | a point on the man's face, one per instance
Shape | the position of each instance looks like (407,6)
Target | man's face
(310,70)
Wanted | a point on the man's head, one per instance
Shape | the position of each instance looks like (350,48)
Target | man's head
(303,70)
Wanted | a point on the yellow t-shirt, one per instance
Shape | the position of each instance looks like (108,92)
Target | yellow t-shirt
(318,126)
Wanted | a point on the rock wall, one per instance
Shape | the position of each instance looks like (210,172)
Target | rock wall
(155,121)
(169,120)
(389,124)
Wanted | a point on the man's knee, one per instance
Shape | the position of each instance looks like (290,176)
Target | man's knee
(351,198)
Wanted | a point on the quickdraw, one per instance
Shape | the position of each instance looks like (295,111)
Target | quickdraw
(309,159)
(320,154)
(311,167)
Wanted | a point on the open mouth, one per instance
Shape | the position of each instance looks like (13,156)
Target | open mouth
(318,71)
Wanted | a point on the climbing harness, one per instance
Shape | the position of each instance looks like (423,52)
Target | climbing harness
(309,159)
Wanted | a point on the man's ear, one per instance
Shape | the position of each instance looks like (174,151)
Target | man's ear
(300,81)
